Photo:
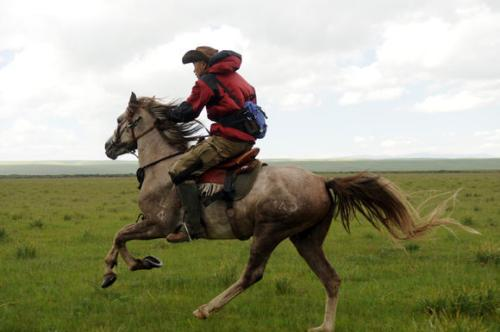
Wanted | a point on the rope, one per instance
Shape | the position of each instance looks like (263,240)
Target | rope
(201,124)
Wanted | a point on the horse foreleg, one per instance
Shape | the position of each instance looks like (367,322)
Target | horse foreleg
(111,260)
(140,231)
(313,254)
(260,251)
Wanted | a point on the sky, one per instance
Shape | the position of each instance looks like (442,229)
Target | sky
(338,79)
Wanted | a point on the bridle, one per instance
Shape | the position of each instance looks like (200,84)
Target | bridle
(132,124)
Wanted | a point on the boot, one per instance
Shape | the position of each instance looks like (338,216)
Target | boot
(188,193)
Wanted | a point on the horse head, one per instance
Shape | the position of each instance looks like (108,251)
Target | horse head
(132,124)
(142,116)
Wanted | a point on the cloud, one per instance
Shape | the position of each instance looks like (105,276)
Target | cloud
(488,139)
(25,140)
(397,142)
(457,50)
(461,101)
(68,67)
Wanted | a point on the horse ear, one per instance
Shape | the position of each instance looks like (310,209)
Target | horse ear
(133,98)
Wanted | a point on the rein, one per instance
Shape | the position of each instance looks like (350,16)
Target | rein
(161,159)
(144,133)
(141,171)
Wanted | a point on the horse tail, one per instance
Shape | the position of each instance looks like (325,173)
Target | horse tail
(381,202)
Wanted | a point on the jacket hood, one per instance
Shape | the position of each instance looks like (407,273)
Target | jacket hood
(224,62)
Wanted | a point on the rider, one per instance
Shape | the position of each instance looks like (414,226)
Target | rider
(223,92)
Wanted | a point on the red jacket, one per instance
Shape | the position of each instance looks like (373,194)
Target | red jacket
(224,66)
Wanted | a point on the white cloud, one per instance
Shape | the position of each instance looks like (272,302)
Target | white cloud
(489,139)
(76,62)
(397,142)
(423,43)
(25,140)
(459,50)
(461,101)
(364,139)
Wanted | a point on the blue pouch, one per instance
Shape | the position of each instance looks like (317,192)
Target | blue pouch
(254,113)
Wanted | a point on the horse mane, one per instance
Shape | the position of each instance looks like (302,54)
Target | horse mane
(177,134)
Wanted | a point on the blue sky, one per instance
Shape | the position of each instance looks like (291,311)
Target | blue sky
(338,79)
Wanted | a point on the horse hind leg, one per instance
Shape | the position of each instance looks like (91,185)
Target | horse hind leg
(261,250)
(310,248)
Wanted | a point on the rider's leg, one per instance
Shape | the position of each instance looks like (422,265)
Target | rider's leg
(194,162)
(191,164)
(189,196)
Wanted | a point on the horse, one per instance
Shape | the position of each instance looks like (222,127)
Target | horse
(284,203)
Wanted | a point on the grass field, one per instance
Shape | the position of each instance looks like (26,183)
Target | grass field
(54,234)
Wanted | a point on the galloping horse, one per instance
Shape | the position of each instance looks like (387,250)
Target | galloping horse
(284,202)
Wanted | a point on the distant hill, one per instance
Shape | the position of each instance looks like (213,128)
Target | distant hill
(108,167)
(105,167)
(390,165)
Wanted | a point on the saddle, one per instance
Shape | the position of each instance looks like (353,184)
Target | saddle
(231,180)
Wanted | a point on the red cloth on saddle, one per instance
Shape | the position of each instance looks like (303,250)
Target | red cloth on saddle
(213,175)
(217,174)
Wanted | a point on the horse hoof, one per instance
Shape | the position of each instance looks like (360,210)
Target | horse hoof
(201,313)
(108,280)
(152,262)
(319,329)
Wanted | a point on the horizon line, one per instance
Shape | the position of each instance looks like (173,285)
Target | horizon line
(353,158)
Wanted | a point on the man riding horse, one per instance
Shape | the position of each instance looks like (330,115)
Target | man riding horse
(224,93)
(282,202)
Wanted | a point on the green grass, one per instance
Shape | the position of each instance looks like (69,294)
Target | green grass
(54,234)
(26,252)
(3,234)
(468,302)
(488,253)
(37,223)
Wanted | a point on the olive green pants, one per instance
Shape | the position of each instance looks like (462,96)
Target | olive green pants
(204,155)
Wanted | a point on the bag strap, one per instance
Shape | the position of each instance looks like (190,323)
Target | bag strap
(212,82)
(236,100)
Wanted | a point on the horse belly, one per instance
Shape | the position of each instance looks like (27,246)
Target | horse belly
(217,222)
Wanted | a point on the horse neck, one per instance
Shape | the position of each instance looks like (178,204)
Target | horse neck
(153,147)
(155,197)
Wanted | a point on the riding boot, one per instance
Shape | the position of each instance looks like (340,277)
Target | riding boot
(188,194)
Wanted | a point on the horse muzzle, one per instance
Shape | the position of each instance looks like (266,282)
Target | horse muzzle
(110,148)
(114,149)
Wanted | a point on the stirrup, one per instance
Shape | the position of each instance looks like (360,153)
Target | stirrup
(183,225)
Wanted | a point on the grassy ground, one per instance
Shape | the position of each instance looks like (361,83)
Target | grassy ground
(54,234)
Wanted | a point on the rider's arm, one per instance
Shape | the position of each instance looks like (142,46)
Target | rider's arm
(191,108)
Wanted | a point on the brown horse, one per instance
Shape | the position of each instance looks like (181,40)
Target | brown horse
(284,203)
